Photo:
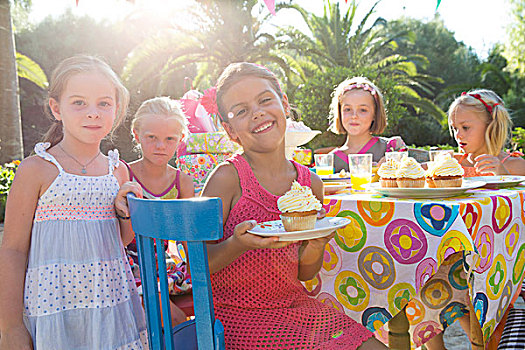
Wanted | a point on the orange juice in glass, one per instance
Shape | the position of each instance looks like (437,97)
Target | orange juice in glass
(360,171)
(324,164)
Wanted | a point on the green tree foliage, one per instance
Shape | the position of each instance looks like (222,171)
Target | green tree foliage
(369,50)
(452,61)
(495,75)
(223,32)
(515,44)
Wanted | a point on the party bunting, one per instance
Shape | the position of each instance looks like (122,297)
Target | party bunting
(271,6)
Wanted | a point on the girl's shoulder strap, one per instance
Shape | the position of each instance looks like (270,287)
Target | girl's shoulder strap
(244,171)
(41,151)
(131,176)
(114,161)
(177,182)
(341,155)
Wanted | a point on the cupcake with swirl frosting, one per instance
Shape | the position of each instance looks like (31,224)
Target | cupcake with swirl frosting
(446,172)
(387,173)
(410,174)
(298,208)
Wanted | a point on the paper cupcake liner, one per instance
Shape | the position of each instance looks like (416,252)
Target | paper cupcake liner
(450,182)
(411,183)
(388,183)
(298,223)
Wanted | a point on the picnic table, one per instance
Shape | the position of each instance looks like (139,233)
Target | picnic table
(433,259)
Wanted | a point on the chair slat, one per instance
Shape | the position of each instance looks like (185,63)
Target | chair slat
(195,221)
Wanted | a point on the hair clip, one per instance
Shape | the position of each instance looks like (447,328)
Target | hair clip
(488,107)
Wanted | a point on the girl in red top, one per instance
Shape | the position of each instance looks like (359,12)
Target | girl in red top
(256,281)
(481,126)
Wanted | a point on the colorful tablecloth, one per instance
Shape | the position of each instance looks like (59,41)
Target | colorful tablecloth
(386,257)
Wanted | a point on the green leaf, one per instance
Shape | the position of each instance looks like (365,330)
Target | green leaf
(30,70)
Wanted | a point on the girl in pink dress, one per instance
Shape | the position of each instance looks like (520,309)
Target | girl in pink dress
(256,281)
(481,125)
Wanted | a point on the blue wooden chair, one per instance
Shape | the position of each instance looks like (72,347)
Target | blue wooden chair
(195,221)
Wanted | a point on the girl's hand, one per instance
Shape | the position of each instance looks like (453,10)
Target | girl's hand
(121,202)
(320,243)
(248,241)
(486,163)
(16,338)
(321,214)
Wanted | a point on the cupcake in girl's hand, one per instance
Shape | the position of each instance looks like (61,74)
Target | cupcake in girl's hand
(387,173)
(298,208)
(445,172)
(410,174)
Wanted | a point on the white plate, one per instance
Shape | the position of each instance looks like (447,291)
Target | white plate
(499,181)
(427,192)
(323,228)
(335,177)
(335,186)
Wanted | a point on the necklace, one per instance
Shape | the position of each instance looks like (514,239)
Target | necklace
(83,171)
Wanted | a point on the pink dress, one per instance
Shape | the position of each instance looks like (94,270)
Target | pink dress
(259,298)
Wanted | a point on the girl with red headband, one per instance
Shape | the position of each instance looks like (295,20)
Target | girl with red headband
(357,110)
(481,126)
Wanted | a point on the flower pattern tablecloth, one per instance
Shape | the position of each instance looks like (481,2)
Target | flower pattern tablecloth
(418,253)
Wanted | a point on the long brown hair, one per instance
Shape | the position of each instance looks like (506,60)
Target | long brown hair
(61,75)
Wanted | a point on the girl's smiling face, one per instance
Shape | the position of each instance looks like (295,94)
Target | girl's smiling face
(87,107)
(159,137)
(469,129)
(255,114)
(357,112)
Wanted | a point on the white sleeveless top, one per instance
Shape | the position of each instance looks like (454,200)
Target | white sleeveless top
(79,289)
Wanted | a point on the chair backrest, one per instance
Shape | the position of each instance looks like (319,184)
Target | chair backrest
(195,221)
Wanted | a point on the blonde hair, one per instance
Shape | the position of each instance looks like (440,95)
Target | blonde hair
(59,79)
(489,106)
(380,120)
(160,106)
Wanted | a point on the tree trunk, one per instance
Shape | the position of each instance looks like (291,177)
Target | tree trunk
(11,146)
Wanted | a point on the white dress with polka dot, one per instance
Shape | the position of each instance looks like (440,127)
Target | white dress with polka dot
(79,289)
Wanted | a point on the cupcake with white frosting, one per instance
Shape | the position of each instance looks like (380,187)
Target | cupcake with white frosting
(410,174)
(299,208)
(387,173)
(446,172)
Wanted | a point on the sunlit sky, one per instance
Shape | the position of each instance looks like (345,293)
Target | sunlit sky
(478,23)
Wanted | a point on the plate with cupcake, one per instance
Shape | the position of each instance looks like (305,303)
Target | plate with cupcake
(500,181)
(407,179)
(322,228)
(343,175)
(299,208)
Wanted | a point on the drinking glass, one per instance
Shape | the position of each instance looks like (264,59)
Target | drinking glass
(433,154)
(324,164)
(360,170)
(397,156)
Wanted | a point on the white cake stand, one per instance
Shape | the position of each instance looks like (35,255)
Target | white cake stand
(297,138)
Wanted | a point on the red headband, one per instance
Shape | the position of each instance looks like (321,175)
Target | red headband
(488,107)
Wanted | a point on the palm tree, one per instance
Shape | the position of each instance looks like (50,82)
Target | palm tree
(334,43)
(223,32)
(11,125)
(12,66)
